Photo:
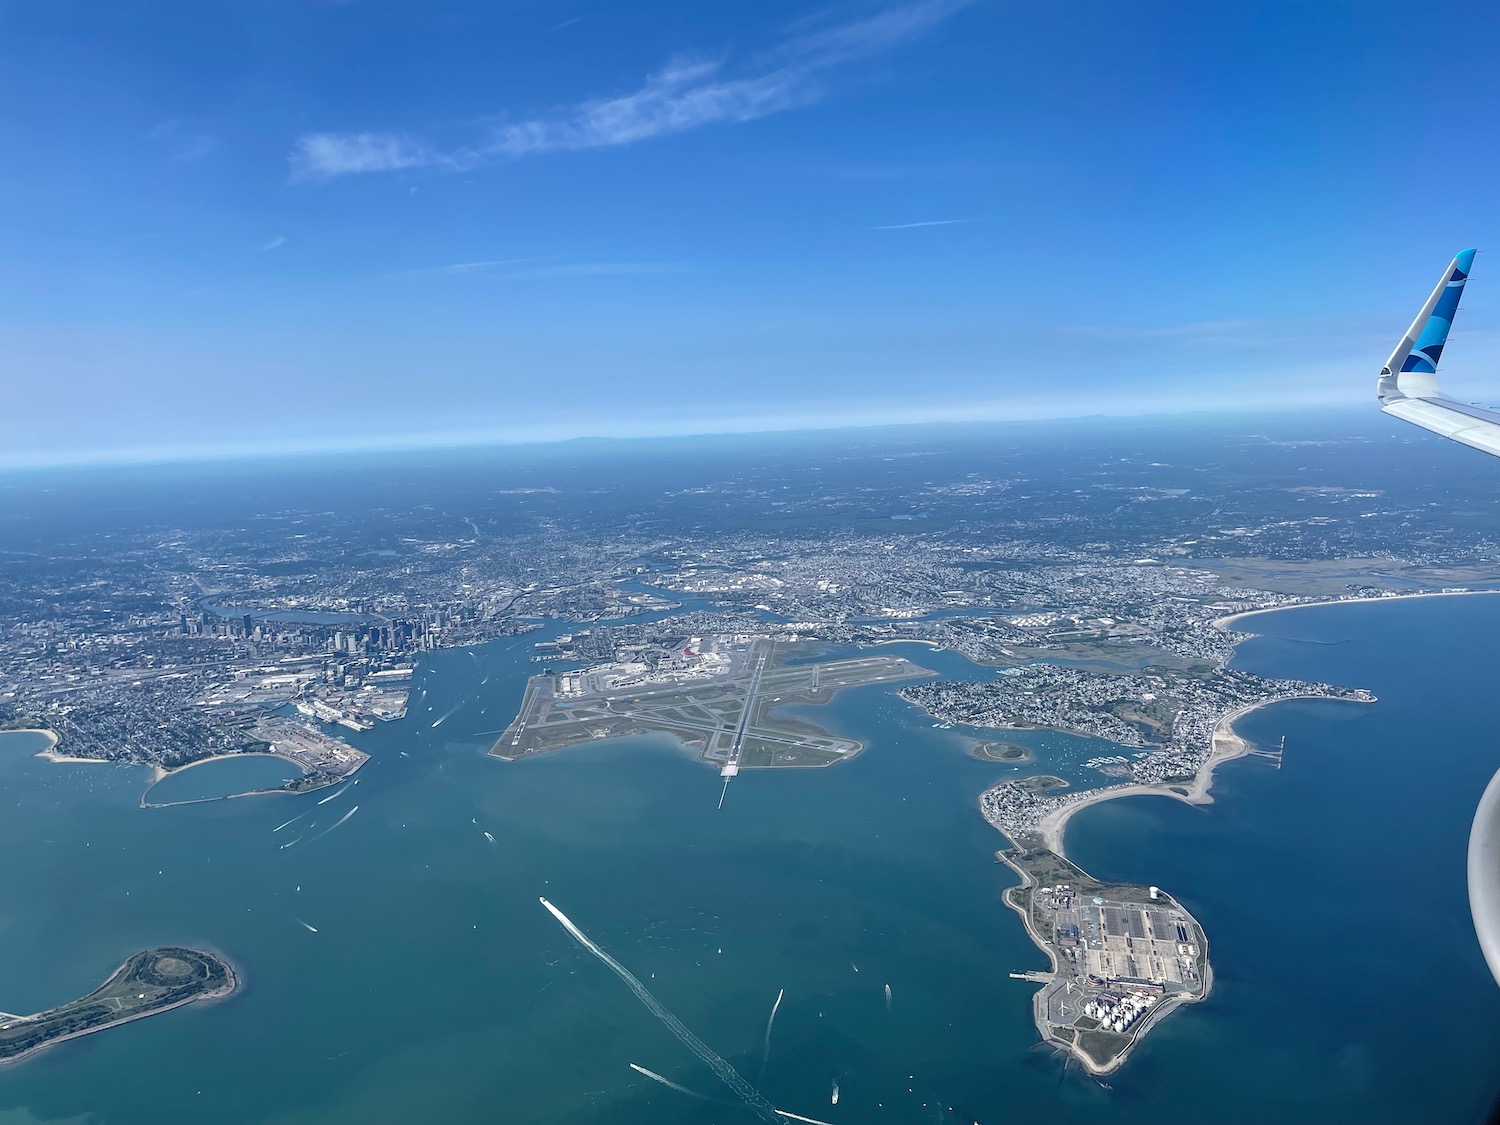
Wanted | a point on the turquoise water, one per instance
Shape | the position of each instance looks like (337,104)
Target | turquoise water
(1349,986)
(224,778)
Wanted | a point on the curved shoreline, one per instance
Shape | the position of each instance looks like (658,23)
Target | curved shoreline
(230,987)
(161,773)
(1227,745)
(1227,623)
(51,735)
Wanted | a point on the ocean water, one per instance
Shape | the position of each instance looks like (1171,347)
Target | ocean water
(436,988)
(225,777)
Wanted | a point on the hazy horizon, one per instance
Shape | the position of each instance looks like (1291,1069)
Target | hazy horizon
(460,440)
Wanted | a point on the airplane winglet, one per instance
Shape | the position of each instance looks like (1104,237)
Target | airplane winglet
(1408,387)
(1411,372)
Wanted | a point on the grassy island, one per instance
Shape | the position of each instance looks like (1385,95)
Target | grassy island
(1002,752)
(149,982)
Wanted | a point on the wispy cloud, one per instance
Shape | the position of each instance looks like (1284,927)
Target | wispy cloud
(928,223)
(911,171)
(325,155)
(531,269)
(594,269)
(479,267)
(195,148)
(187,146)
(279,240)
(1207,333)
(830,44)
(685,94)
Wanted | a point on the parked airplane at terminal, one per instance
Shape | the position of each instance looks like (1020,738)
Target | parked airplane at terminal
(1408,389)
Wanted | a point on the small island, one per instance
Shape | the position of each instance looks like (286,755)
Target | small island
(1007,752)
(148,983)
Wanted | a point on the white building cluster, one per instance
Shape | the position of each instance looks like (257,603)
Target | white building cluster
(1117,1014)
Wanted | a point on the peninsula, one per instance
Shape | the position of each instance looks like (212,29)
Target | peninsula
(1123,955)
(148,983)
(323,759)
(720,695)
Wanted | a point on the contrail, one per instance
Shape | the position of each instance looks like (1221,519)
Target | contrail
(335,824)
(668,1082)
(331,796)
(727,1074)
(766,1054)
(799,1117)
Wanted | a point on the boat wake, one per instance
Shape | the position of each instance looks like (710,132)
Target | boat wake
(334,825)
(446,715)
(799,1117)
(668,1082)
(727,1074)
(765,1055)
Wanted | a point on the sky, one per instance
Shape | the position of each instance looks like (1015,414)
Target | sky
(230,226)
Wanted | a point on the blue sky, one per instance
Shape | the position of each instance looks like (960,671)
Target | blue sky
(287,224)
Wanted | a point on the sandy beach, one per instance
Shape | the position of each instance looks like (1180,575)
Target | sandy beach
(51,753)
(1227,742)
(51,737)
(158,773)
(1228,745)
(224,758)
(1228,623)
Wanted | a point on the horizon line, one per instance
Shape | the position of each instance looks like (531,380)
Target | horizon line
(453,440)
